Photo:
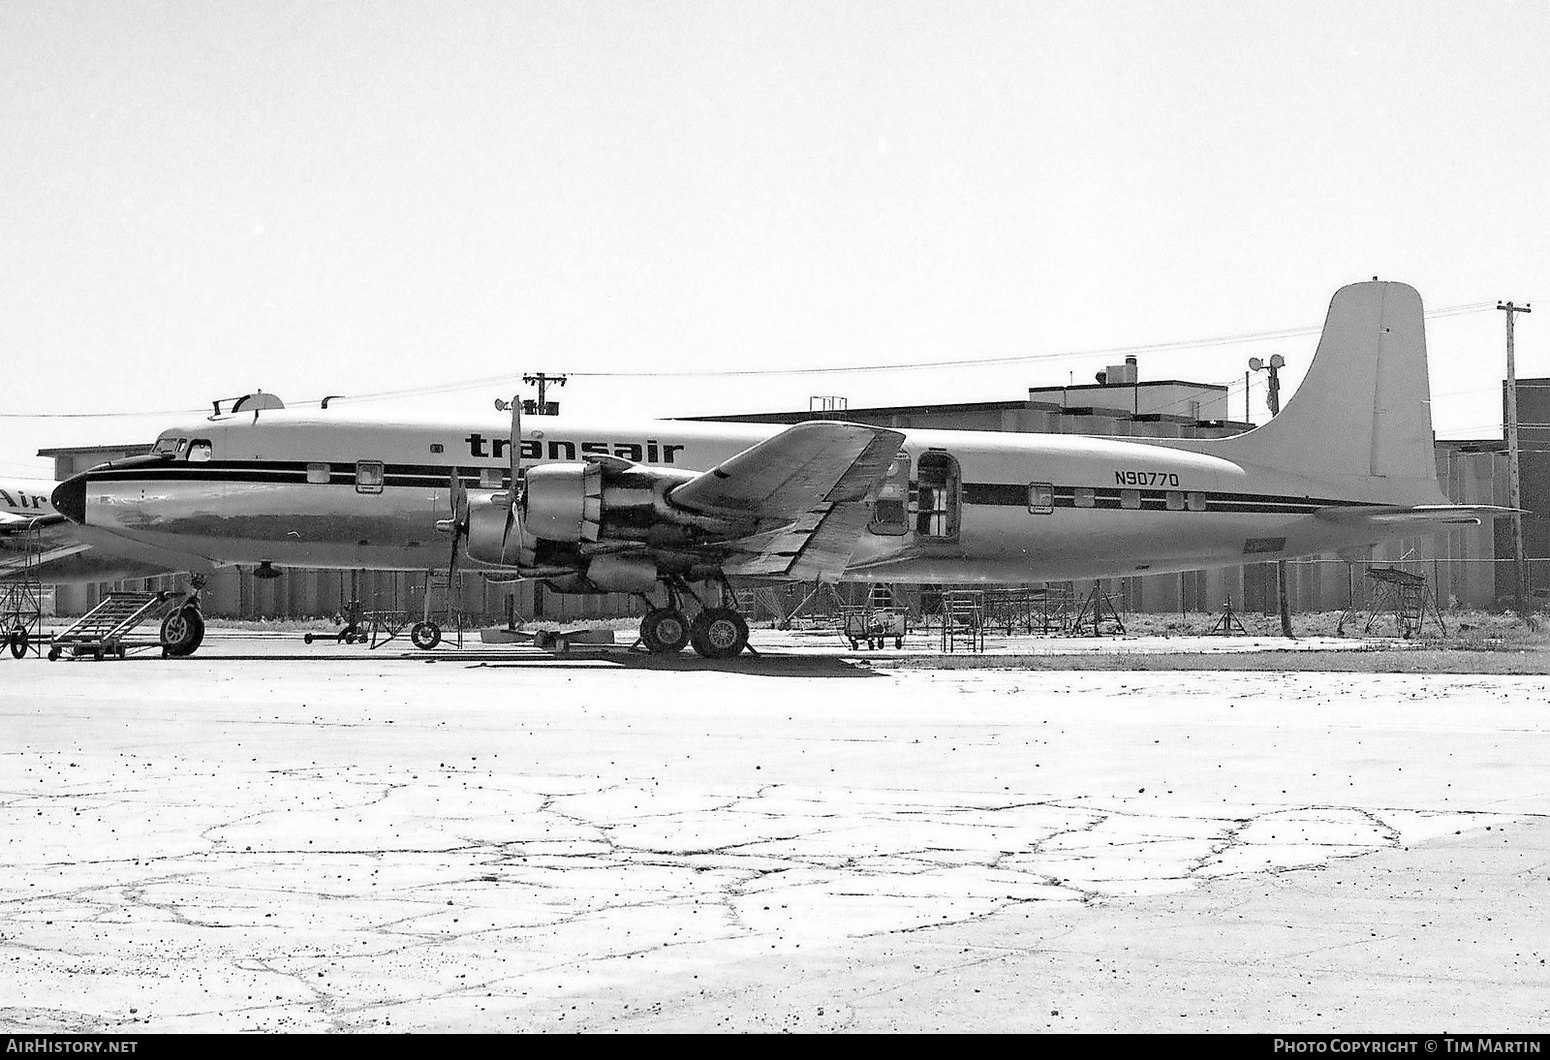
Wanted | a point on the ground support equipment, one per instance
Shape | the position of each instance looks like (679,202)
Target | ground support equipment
(963,620)
(108,630)
(875,622)
(1404,595)
(1228,625)
(21,605)
(1097,609)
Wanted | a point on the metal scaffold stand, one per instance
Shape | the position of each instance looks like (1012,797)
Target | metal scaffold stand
(21,604)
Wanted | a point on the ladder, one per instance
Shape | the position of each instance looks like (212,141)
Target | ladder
(440,583)
(963,620)
(106,628)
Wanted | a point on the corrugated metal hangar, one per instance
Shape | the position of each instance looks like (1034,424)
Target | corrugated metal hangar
(1466,567)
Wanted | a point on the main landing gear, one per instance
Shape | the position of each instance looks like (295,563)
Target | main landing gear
(715,632)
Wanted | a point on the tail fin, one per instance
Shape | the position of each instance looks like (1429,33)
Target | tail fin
(1363,411)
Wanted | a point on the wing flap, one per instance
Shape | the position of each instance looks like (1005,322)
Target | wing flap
(815,547)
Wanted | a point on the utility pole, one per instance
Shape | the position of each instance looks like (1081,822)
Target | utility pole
(541,407)
(1273,399)
(1514,496)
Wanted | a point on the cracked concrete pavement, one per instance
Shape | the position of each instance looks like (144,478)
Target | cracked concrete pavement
(504,840)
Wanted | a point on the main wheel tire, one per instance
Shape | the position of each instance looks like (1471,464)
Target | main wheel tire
(425,635)
(18,642)
(182,632)
(664,631)
(718,633)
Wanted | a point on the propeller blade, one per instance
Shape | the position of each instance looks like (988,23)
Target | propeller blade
(457,498)
(514,504)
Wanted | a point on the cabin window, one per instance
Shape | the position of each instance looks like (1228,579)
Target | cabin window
(1084,496)
(369,476)
(317,473)
(199,450)
(1175,501)
(1130,498)
(1196,501)
(182,447)
(492,478)
(1041,498)
(890,513)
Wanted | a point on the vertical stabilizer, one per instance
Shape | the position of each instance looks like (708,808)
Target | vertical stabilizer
(1363,411)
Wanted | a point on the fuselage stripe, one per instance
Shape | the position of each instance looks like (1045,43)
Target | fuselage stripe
(975,494)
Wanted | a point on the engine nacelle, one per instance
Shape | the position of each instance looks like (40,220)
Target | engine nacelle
(571,509)
(564,502)
(610,574)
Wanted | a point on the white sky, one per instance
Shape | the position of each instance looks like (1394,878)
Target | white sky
(200,199)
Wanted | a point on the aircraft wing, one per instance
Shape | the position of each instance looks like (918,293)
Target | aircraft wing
(10,523)
(14,562)
(790,476)
(816,547)
(1420,514)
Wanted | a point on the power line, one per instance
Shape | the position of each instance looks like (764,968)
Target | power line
(863,369)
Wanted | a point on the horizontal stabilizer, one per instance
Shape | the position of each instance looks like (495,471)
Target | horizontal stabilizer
(1389,515)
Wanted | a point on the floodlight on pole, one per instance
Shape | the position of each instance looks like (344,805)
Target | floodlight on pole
(1275,364)
(1273,399)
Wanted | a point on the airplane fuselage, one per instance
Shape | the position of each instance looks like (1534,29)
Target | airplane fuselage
(327,490)
(60,552)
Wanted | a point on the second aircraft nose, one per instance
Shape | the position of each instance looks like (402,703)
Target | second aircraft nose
(69,499)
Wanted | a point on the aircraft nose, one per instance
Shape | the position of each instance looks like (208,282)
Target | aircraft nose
(69,499)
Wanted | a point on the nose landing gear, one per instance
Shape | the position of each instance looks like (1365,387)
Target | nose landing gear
(183,630)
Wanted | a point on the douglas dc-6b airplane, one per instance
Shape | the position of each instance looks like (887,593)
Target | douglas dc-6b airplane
(659,507)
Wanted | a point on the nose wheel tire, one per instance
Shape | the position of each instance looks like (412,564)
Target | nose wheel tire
(718,633)
(18,641)
(182,632)
(664,631)
(426,635)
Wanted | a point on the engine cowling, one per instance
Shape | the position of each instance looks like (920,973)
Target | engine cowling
(564,502)
(572,509)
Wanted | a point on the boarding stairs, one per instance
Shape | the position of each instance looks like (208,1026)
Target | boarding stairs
(108,628)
